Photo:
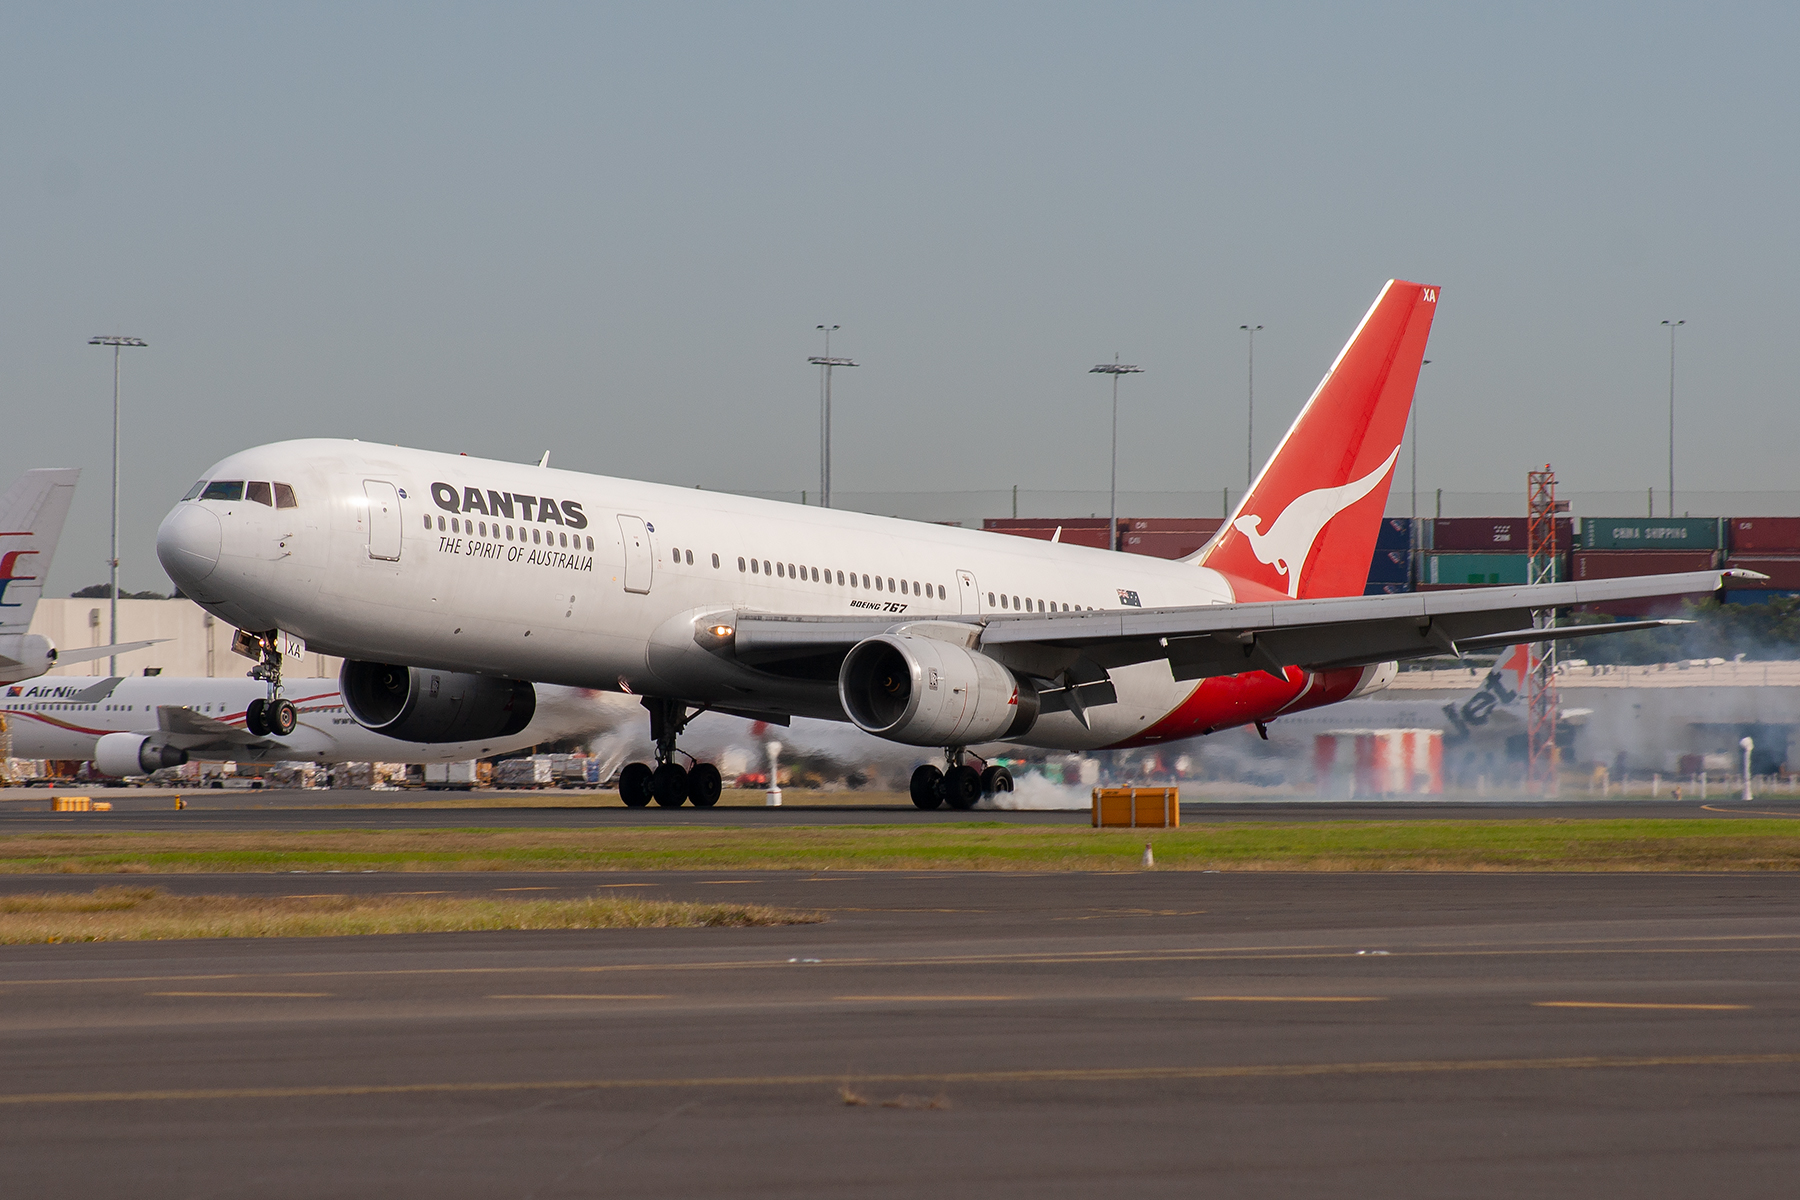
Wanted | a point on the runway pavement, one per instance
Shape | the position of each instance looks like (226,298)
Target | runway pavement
(29,812)
(942,1034)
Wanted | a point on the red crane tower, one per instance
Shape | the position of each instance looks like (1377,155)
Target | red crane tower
(1541,702)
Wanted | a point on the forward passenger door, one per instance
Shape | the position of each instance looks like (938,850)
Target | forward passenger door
(384,519)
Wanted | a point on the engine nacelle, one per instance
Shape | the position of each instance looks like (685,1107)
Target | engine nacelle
(926,692)
(419,705)
(32,653)
(121,754)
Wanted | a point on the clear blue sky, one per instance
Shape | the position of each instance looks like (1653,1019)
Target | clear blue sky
(611,231)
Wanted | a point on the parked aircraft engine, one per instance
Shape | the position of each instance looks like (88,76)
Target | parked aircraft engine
(122,754)
(927,692)
(419,705)
(25,656)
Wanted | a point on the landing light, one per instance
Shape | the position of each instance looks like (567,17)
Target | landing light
(721,631)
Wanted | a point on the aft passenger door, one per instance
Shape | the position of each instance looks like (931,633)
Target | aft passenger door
(966,593)
(384,519)
(640,563)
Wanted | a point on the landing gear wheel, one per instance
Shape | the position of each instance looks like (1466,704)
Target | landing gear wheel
(927,785)
(962,787)
(668,785)
(282,717)
(634,785)
(995,780)
(704,785)
(256,717)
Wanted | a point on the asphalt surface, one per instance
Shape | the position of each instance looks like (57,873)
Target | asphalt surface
(943,1034)
(271,810)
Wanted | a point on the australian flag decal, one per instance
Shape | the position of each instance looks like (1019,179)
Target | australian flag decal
(1129,598)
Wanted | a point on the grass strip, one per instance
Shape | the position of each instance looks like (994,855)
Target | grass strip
(1647,844)
(125,914)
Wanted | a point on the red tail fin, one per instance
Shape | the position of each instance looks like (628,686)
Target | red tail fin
(1307,526)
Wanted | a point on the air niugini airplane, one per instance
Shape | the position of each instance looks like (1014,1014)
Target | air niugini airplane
(447,582)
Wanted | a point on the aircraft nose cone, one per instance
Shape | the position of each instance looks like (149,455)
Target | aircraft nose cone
(188,543)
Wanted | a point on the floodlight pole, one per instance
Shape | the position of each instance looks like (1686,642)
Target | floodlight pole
(1672,327)
(1250,413)
(1115,368)
(112,637)
(825,363)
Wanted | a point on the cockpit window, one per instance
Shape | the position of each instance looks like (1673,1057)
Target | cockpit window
(224,489)
(195,491)
(258,491)
(284,496)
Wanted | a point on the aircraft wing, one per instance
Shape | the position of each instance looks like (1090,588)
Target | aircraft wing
(196,731)
(1229,639)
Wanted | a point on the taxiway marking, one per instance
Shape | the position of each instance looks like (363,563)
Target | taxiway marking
(1050,1075)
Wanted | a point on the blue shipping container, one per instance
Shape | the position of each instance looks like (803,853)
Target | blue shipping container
(1390,566)
(1394,533)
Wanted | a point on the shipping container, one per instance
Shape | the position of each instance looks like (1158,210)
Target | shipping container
(1391,566)
(1783,571)
(1091,535)
(1622,564)
(1206,525)
(1466,570)
(1645,533)
(1755,595)
(1047,524)
(1163,543)
(1763,535)
(1395,533)
(1495,535)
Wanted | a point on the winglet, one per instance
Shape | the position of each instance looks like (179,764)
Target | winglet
(1307,526)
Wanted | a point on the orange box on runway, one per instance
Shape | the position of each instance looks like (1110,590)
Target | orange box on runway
(1137,808)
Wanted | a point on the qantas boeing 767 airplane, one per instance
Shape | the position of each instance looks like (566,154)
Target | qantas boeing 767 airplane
(447,582)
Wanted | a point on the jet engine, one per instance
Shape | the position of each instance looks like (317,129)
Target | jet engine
(25,656)
(121,754)
(928,692)
(419,705)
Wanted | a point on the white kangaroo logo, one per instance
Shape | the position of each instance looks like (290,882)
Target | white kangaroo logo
(1290,540)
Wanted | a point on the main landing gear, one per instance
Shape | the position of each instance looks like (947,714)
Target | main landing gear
(275,715)
(957,784)
(669,783)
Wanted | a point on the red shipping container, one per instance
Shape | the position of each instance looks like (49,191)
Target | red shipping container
(1206,525)
(1495,535)
(1783,572)
(1095,537)
(1165,543)
(1047,524)
(1622,564)
(1768,535)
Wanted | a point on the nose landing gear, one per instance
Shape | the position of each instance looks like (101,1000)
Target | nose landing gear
(275,715)
(669,783)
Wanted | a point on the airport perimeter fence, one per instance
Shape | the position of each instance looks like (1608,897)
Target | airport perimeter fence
(970,508)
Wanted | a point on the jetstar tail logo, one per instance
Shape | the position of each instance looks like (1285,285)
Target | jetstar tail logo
(1290,539)
(8,564)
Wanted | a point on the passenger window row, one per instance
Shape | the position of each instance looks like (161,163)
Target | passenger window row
(275,495)
(806,574)
(1015,604)
(538,536)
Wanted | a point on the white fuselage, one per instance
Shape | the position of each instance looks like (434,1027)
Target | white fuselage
(63,718)
(420,558)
